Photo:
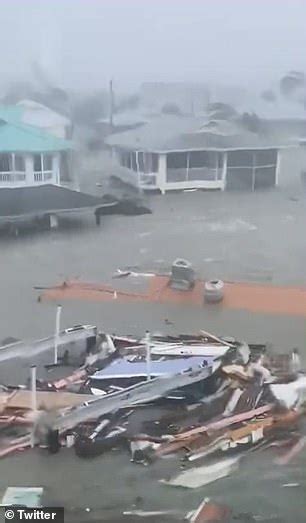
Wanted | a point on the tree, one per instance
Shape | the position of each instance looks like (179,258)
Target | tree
(170,108)
(221,111)
(251,122)
(293,86)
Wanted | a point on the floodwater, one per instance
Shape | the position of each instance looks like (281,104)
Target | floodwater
(234,236)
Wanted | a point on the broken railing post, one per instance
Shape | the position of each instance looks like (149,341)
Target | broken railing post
(57,331)
(33,401)
(148,354)
(33,388)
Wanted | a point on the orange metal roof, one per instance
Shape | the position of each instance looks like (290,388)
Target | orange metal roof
(240,296)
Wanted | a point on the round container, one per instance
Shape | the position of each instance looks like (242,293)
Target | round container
(213,291)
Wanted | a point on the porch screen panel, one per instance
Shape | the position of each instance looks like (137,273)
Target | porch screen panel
(176,175)
(240,159)
(265,157)
(176,167)
(177,160)
(265,177)
(202,165)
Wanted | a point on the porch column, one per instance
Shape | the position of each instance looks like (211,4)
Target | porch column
(161,175)
(253,171)
(56,176)
(29,169)
(188,164)
(217,165)
(224,171)
(137,169)
(278,167)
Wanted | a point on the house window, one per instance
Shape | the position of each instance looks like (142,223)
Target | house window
(6,163)
(42,162)
(47,162)
(37,163)
(19,163)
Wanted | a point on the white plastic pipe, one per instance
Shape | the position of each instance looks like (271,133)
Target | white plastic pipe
(148,354)
(57,331)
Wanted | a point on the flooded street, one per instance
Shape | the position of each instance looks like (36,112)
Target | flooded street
(234,236)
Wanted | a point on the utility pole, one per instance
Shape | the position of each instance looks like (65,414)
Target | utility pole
(57,331)
(33,402)
(111,103)
(148,354)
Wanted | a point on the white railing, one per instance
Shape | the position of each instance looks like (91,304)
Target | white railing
(23,179)
(43,176)
(12,177)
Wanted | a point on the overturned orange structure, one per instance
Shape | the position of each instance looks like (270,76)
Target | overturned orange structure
(238,296)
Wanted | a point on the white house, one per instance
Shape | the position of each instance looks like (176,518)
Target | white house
(175,152)
(29,156)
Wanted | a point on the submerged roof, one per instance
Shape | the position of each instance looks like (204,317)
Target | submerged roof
(180,133)
(23,201)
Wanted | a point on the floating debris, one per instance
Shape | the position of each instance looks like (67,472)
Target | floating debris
(200,476)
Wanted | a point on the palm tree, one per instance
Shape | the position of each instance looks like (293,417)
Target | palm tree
(293,86)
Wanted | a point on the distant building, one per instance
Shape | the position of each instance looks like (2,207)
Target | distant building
(172,153)
(39,115)
(190,98)
(29,156)
(31,185)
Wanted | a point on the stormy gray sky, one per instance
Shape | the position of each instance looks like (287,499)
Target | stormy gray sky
(84,42)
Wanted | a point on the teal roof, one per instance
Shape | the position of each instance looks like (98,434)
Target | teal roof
(19,137)
(11,113)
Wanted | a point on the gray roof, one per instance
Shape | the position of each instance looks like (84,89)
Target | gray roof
(22,201)
(179,133)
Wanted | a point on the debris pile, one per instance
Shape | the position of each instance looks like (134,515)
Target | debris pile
(203,401)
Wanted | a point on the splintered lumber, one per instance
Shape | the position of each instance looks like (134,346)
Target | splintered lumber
(247,430)
(182,439)
(209,512)
(75,377)
(22,399)
(20,443)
